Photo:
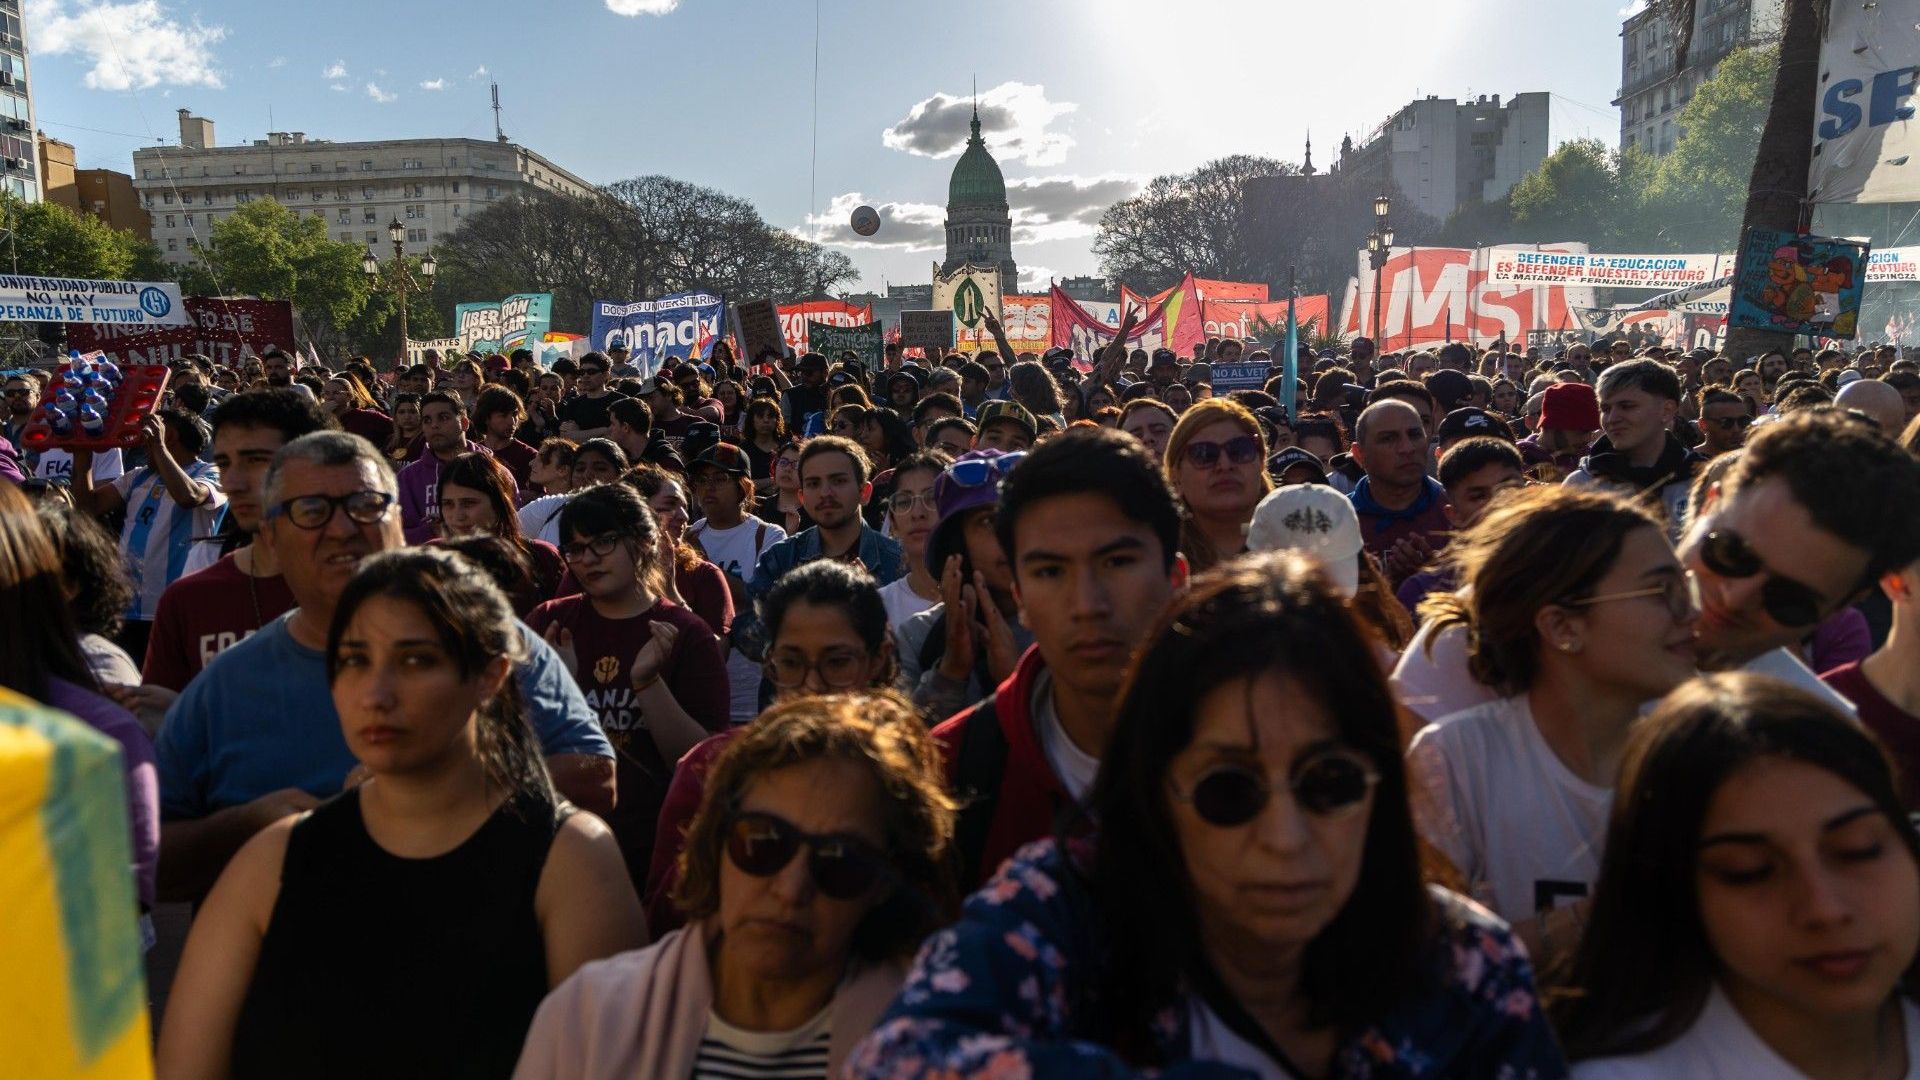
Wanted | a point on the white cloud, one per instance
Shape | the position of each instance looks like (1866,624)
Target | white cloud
(434,84)
(1633,8)
(277,62)
(335,70)
(1035,279)
(1064,207)
(479,72)
(903,226)
(642,7)
(341,88)
(132,46)
(1014,120)
(379,95)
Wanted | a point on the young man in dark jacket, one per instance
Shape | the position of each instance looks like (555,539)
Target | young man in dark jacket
(1638,455)
(1091,529)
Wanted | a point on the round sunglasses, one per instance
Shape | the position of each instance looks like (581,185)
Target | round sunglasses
(1333,784)
(843,867)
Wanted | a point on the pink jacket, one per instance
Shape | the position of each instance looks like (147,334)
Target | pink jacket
(643,1013)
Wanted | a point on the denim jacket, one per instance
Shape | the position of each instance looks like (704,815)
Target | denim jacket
(883,557)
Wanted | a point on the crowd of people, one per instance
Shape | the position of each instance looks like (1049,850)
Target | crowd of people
(1475,713)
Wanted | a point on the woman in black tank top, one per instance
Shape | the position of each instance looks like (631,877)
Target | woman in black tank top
(410,926)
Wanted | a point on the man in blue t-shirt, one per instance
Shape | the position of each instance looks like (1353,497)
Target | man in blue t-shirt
(255,737)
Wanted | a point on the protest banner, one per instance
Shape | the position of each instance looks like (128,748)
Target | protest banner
(1894,264)
(1028,322)
(678,326)
(1210,289)
(1231,377)
(1247,320)
(922,328)
(417,350)
(756,326)
(1798,284)
(1085,330)
(556,344)
(969,292)
(1866,140)
(223,330)
(518,322)
(1429,296)
(83,300)
(866,342)
(795,317)
(1526,266)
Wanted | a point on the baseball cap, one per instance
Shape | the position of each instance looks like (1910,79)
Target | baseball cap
(971,482)
(699,438)
(1163,355)
(1007,410)
(1056,356)
(1315,519)
(1848,376)
(496,362)
(811,361)
(1278,464)
(658,383)
(726,457)
(1466,422)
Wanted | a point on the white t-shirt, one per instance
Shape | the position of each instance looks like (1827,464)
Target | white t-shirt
(540,518)
(736,552)
(902,602)
(1720,1046)
(1210,1039)
(1521,828)
(160,533)
(57,464)
(1075,767)
(730,1053)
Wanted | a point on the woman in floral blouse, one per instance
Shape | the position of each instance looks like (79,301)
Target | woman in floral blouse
(1251,903)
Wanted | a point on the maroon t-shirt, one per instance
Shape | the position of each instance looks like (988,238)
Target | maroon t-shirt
(518,457)
(604,650)
(703,587)
(203,614)
(370,424)
(1898,729)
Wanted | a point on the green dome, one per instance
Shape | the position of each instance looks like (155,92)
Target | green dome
(976,176)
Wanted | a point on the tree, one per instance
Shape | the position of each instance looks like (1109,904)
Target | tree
(49,240)
(1573,195)
(1194,221)
(263,249)
(1700,188)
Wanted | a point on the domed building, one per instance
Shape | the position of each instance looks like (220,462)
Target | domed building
(979,225)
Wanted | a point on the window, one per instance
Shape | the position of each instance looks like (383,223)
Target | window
(370,217)
(340,195)
(415,211)
(366,192)
(456,209)
(418,236)
(492,192)
(189,221)
(346,217)
(456,187)
(167,197)
(209,199)
(146,174)
(243,196)
(341,166)
(314,168)
(346,238)
(370,236)
(173,245)
(366,166)
(149,199)
(318,195)
(169,221)
(410,163)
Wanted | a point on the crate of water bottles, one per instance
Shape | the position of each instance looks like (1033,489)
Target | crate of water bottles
(95,404)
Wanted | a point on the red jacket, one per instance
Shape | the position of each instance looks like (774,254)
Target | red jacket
(1009,793)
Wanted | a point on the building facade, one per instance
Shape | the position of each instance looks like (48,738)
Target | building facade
(1444,154)
(1655,85)
(431,186)
(979,224)
(19,155)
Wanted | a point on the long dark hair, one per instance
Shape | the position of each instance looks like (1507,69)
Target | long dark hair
(1644,967)
(38,640)
(1275,612)
(91,566)
(481,473)
(828,583)
(475,625)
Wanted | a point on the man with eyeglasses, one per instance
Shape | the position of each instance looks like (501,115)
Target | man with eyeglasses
(255,736)
(1088,528)
(584,416)
(734,541)
(1817,508)
(1403,511)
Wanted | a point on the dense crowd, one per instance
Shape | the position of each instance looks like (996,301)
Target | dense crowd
(1476,713)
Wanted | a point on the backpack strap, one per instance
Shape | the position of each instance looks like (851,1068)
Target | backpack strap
(979,767)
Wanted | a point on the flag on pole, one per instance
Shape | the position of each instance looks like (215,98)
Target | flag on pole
(1290,365)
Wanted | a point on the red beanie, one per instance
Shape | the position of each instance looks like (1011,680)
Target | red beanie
(1569,406)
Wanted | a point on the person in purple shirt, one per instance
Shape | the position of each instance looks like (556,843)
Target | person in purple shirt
(443,421)
(41,659)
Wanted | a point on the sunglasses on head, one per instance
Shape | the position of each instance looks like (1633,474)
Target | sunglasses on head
(1787,602)
(1330,784)
(1240,450)
(843,867)
(977,472)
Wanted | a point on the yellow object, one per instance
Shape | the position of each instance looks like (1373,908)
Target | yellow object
(72,996)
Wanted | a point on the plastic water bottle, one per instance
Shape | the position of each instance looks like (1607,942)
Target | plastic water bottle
(91,422)
(64,402)
(109,374)
(59,422)
(94,399)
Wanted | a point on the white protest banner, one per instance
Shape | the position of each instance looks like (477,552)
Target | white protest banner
(1230,377)
(922,328)
(80,300)
(1866,139)
(1525,266)
(756,325)
(1894,264)
(417,350)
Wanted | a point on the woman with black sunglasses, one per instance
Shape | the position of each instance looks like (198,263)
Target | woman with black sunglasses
(1252,894)
(1576,613)
(817,863)
(1216,458)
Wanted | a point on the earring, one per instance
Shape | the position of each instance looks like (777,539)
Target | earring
(1569,647)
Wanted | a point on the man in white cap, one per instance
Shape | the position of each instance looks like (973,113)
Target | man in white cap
(1315,519)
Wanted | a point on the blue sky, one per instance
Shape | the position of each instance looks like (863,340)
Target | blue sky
(1085,99)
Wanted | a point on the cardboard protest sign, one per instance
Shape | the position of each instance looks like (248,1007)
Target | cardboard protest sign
(756,325)
(919,328)
(833,342)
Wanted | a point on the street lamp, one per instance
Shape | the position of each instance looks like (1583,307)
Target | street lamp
(1379,244)
(404,281)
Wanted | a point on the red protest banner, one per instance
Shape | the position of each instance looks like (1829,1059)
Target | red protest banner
(223,330)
